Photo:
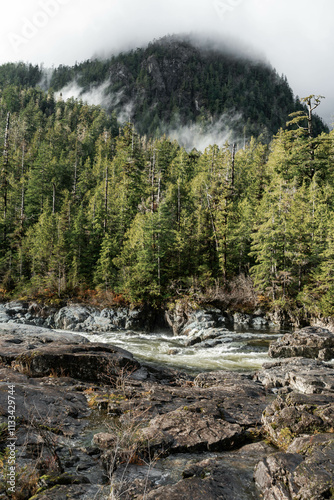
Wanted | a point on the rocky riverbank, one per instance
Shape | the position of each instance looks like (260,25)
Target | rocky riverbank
(93,422)
(182,319)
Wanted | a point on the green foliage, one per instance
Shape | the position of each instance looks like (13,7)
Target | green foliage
(84,205)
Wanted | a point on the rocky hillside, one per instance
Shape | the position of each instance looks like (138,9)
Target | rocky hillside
(177,82)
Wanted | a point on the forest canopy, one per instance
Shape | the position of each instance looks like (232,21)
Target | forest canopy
(86,204)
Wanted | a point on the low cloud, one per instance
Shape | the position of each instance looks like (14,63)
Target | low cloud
(201,136)
(96,95)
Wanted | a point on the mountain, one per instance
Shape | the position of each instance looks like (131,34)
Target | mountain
(193,90)
(179,82)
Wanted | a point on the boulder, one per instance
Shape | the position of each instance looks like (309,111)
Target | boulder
(218,413)
(203,334)
(310,342)
(242,319)
(191,323)
(68,317)
(54,408)
(89,362)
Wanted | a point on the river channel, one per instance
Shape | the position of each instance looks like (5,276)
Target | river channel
(242,349)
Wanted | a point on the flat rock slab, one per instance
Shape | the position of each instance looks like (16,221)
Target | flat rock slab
(57,408)
(237,399)
(88,362)
(45,335)
(294,414)
(52,418)
(17,339)
(310,342)
(304,375)
(306,472)
(228,477)
(40,352)
(219,414)
(183,430)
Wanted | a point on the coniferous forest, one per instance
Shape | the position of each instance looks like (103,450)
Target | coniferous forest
(89,205)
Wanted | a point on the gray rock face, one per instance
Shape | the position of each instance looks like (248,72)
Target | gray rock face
(242,319)
(201,335)
(218,478)
(297,422)
(51,415)
(307,376)
(77,318)
(189,430)
(192,323)
(309,342)
(306,472)
(17,339)
(294,414)
(68,317)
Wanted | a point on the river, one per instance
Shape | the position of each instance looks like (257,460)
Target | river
(243,349)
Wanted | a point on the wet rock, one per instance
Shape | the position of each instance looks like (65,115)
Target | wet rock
(294,414)
(174,352)
(242,319)
(205,334)
(259,321)
(95,324)
(51,417)
(305,472)
(185,321)
(57,408)
(304,375)
(310,342)
(16,307)
(4,317)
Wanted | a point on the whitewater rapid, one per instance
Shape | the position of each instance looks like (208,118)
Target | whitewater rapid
(240,350)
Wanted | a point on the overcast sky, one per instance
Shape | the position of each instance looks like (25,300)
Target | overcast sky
(296,36)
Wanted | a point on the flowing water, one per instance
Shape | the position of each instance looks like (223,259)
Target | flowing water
(242,349)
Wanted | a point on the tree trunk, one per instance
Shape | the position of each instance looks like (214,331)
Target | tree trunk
(5,175)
